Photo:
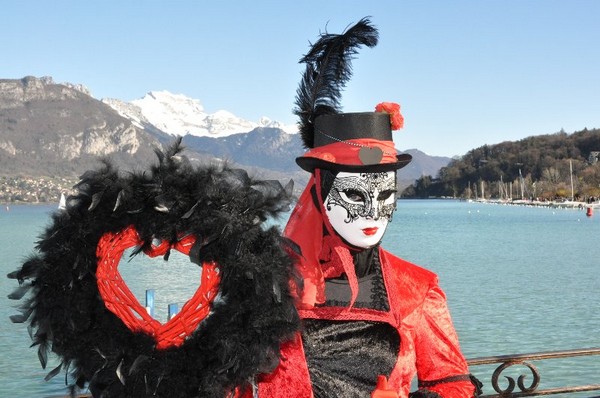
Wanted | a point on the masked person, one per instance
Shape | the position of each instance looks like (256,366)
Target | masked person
(371,321)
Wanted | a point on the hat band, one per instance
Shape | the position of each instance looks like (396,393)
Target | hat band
(357,152)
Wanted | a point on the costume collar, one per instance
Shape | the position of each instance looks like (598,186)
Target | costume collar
(322,255)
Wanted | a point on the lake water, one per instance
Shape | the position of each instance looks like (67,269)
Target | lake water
(518,280)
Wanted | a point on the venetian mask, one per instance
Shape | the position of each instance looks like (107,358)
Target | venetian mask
(359,206)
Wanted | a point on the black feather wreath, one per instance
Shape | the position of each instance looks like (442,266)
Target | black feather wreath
(225,209)
(328,69)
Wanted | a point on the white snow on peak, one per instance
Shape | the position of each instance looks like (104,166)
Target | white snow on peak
(177,114)
(127,110)
(266,122)
(223,123)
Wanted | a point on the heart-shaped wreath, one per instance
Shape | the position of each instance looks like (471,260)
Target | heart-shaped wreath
(216,214)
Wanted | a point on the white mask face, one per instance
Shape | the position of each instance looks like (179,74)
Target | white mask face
(359,206)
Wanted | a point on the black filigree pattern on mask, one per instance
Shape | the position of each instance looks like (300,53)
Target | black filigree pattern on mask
(356,194)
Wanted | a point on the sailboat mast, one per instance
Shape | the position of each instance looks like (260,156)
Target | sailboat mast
(571,167)
(522,184)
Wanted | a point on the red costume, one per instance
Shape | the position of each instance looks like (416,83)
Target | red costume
(371,321)
(417,311)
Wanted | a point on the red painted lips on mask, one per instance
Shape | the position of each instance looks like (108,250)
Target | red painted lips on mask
(370,231)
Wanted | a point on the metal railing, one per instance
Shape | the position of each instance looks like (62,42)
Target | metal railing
(507,361)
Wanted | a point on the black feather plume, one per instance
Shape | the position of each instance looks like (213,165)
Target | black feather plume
(328,69)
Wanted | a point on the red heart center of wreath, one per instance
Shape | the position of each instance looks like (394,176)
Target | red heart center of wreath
(119,299)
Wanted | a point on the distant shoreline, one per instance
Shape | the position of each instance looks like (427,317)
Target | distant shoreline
(567,204)
(554,204)
(29,204)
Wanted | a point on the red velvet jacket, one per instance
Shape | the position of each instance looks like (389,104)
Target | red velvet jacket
(428,343)
(429,346)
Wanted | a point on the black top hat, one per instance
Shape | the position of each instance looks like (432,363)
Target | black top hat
(353,142)
(342,141)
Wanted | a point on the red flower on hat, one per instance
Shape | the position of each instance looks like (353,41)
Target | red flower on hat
(396,118)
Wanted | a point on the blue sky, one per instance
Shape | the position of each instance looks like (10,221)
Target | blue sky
(467,73)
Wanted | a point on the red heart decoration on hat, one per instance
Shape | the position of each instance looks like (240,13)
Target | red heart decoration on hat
(119,299)
(369,155)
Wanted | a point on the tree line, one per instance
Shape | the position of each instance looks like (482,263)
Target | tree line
(544,167)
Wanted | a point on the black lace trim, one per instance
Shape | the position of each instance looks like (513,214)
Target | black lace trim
(449,379)
(378,299)
(478,385)
(423,384)
(378,293)
(424,394)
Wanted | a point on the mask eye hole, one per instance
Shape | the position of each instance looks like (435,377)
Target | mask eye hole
(385,195)
(352,196)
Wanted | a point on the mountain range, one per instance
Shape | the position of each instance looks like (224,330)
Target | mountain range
(60,130)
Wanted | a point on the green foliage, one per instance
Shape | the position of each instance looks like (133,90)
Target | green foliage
(538,166)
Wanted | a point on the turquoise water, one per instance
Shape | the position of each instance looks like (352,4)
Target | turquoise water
(518,280)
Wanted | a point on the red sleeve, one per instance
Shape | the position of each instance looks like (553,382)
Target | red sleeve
(441,367)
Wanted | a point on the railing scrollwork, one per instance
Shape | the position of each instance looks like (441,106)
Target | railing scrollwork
(523,360)
(520,381)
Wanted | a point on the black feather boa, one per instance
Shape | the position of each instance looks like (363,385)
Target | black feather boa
(221,206)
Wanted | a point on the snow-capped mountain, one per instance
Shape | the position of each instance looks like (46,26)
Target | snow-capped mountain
(51,129)
(177,114)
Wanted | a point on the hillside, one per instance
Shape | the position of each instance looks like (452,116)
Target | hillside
(47,129)
(52,133)
(539,166)
(265,144)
